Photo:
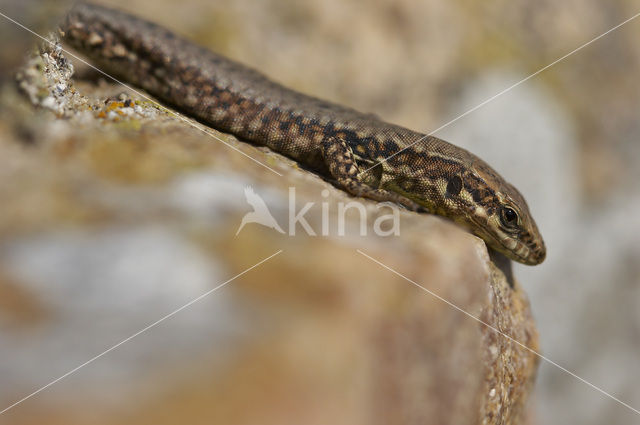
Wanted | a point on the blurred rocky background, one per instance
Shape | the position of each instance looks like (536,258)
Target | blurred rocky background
(568,138)
(39,16)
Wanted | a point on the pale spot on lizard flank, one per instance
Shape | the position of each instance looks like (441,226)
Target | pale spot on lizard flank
(466,196)
(404,169)
(441,187)
(218,114)
(234,109)
(255,123)
(380,138)
(223,83)
(361,134)
(324,120)
(94,39)
(418,148)
(236,126)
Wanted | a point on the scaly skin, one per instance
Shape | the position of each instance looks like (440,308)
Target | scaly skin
(336,141)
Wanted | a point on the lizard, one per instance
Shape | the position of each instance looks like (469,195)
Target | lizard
(361,153)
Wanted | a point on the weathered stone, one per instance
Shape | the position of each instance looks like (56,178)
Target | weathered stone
(321,333)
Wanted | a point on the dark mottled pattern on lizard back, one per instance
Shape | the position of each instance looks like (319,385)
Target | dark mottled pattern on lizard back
(336,141)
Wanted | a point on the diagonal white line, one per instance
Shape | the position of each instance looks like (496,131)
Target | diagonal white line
(477,319)
(124,341)
(144,96)
(511,87)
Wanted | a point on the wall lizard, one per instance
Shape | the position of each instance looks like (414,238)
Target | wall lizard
(335,141)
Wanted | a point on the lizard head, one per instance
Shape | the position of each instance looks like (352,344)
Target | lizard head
(496,211)
(452,182)
(510,228)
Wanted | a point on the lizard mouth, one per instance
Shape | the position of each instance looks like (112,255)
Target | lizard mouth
(529,254)
(523,248)
(537,254)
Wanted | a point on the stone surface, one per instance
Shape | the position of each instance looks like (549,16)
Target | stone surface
(115,213)
(421,63)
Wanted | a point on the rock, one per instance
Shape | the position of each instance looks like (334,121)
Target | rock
(40,16)
(122,217)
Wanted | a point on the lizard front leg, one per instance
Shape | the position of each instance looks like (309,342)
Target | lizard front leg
(342,165)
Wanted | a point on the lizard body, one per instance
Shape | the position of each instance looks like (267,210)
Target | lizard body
(336,141)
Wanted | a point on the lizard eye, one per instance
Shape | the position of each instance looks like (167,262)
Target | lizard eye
(508,217)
